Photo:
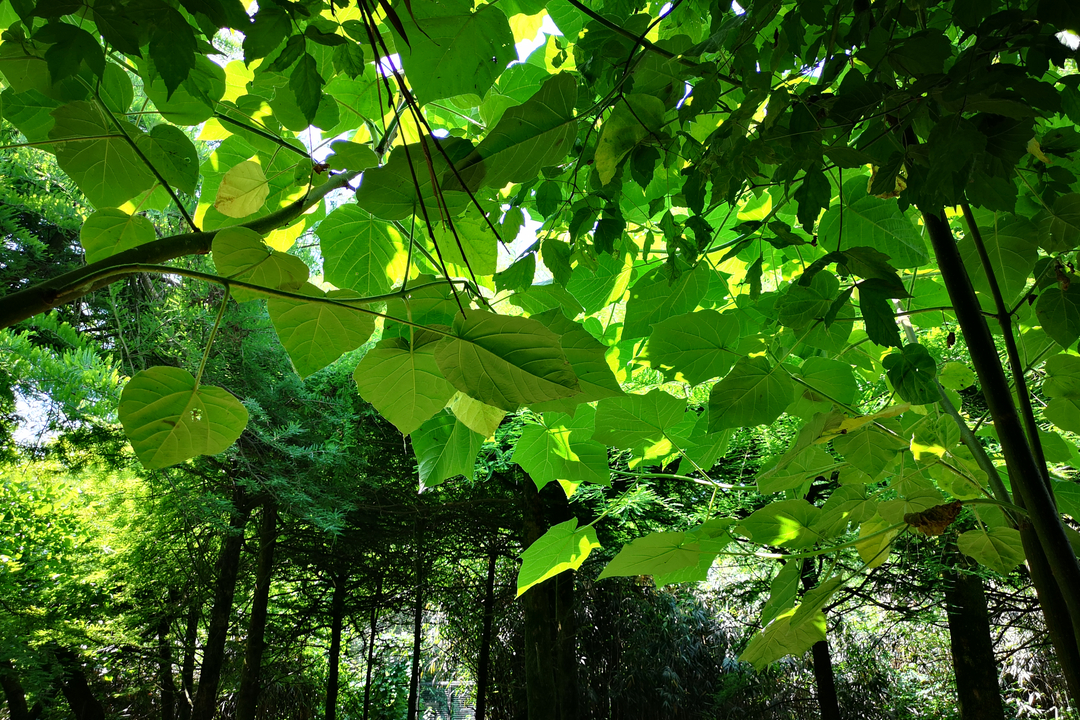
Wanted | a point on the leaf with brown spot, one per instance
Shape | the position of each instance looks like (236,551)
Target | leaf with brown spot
(934,521)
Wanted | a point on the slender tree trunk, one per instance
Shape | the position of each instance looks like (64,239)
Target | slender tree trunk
(228,567)
(824,678)
(483,669)
(550,637)
(418,629)
(76,688)
(1031,491)
(373,629)
(337,619)
(977,688)
(247,697)
(187,669)
(165,671)
(14,694)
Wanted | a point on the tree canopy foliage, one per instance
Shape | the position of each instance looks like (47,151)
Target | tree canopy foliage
(665,223)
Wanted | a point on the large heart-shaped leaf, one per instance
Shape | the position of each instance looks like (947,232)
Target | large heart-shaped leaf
(168,419)
(317,334)
(403,381)
(240,254)
(505,361)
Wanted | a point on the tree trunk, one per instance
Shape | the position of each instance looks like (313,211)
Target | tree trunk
(1056,589)
(824,678)
(371,647)
(247,697)
(337,618)
(550,636)
(977,689)
(228,566)
(14,694)
(483,669)
(418,629)
(76,689)
(187,669)
(165,671)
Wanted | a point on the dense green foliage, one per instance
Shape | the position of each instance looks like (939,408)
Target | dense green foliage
(664,225)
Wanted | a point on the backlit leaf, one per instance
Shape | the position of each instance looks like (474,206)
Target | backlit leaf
(563,547)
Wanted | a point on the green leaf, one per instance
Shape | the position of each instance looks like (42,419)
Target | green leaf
(753,393)
(1058,311)
(403,381)
(505,361)
(361,252)
(390,192)
(655,297)
(587,359)
(243,190)
(352,156)
(872,222)
(657,553)
(559,450)
(240,254)
(528,137)
(782,590)
(784,523)
(169,419)
(782,638)
(1067,494)
(998,548)
(193,102)
(642,423)
(1060,229)
(110,231)
(106,169)
(173,155)
(1012,245)
(479,417)
(695,347)
(878,313)
(912,372)
(173,48)
(807,464)
(470,246)
(445,448)
(306,84)
(846,505)
(634,119)
(563,547)
(451,50)
(317,334)
(875,540)
(868,449)
(1062,386)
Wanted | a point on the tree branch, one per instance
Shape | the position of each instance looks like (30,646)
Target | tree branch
(71,286)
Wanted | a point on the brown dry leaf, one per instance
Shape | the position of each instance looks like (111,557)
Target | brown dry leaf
(934,521)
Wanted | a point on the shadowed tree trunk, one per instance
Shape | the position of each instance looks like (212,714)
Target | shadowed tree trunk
(418,626)
(228,566)
(14,694)
(76,688)
(977,689)
(372,630)
(247,697)
(550,633)
(165,669)
(337,618)
(187,669)
(824,677)
(483,669)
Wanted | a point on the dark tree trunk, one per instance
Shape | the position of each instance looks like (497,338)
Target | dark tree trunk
(337,619)
(418,628)
(247,697)
(187,669)
(165,671)
(1055,588)
(483,669)
(76,689)
(228,566)
(826,681)
(372,631)
(550,634)
(14,694)
(977,688)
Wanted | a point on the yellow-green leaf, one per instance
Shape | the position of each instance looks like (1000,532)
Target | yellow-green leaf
(243,190)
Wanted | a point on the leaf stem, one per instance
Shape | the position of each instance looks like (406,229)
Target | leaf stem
(213,334)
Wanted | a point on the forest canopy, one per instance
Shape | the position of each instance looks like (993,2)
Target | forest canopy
(607,236)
